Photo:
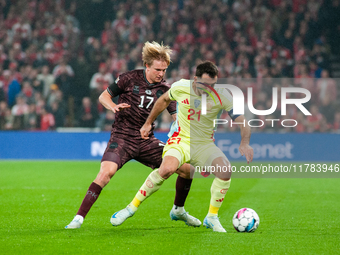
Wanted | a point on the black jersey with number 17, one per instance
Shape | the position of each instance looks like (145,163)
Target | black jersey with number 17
(134,89)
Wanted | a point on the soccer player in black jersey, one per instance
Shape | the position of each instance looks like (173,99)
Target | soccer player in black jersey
(138,90)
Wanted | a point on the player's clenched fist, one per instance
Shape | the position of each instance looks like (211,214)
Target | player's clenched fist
(145,131)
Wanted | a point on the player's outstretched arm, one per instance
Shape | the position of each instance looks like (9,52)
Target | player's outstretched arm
(161,104)
(245,148)
(106,100)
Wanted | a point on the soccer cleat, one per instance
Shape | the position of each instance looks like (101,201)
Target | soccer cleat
(119,217)
(213,223)
(186,217)
(75,223)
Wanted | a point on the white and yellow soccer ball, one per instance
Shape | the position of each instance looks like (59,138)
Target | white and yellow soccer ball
(246,220)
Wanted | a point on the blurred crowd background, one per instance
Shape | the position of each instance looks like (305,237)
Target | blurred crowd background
(57,56)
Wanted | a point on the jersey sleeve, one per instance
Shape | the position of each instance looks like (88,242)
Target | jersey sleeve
(171,92)
(176,91)
(172,109)
(118,87)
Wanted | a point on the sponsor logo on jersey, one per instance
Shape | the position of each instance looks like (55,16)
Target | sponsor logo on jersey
(136,89)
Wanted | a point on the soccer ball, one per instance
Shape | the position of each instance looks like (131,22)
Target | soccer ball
(246,220)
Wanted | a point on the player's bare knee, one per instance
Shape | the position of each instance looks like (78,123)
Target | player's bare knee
(222,168)
(166,171)
(107,171)
(168,167)
(225,176)
(184,171)
(184,175)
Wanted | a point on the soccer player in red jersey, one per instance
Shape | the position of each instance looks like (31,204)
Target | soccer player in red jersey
(138,90)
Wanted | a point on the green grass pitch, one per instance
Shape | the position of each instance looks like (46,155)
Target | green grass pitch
(38,198)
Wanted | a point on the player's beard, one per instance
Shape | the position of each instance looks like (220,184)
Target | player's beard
(197,91)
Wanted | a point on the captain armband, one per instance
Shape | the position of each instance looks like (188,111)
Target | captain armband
(114,90)
(232,115)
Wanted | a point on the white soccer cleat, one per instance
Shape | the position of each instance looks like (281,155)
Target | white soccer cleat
(186,217)
(119,217)
(213,223)
(76,222)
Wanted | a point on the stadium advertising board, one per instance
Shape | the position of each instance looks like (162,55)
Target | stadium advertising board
(90,146)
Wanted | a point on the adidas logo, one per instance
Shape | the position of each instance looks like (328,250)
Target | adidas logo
(143,192)
(186,101)
(220,200)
